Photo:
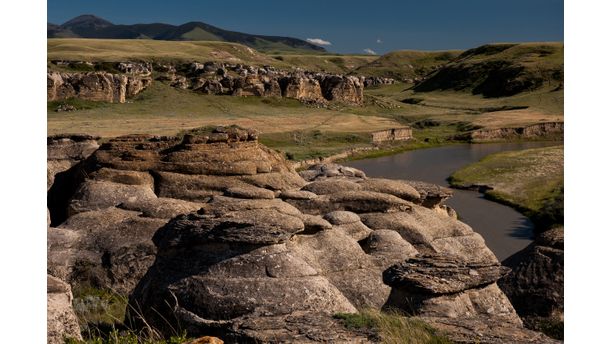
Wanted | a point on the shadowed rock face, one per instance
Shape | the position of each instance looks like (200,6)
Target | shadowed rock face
(218,235)
(535,285)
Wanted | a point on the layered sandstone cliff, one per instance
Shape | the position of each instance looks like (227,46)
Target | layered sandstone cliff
(218,235)
(210,78)
(548,130)
(95,86)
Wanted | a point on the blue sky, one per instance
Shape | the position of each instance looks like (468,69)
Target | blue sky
(350,26)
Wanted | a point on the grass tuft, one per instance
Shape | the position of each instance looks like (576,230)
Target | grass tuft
(393,327)
(100,313)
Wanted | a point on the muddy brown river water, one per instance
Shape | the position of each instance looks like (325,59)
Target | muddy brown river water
(505,230)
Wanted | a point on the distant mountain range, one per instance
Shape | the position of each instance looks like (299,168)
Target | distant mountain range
(90,26)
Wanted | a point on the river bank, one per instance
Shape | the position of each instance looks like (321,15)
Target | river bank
(505,230)
(530,181)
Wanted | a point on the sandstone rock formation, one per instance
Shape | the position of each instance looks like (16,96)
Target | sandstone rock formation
(103,86)
(395,134)
(459,297)
(372,81)
(535,285)
(210,78)
(61,320)
(218,235)
(549,130)
(95,86)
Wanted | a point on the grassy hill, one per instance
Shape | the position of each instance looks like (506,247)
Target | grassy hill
(407,64)
(90,26)
(329,63)
(499,70)
(113,50)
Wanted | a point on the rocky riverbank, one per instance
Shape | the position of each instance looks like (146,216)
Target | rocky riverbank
(218,235)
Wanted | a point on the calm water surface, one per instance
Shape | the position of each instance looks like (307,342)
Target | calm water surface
(504,229)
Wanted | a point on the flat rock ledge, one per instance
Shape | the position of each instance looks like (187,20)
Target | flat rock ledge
(438,275)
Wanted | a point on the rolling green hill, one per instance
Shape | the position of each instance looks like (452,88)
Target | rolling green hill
(407,64)
(499,70)
(113,50)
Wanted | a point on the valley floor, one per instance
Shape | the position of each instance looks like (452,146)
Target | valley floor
(307,132)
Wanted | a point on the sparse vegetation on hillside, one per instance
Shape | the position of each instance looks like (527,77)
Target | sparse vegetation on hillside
(114,50)
(328,63)
(499,70)
(393,327)
(407,64)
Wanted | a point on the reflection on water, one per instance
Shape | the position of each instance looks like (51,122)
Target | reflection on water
(504,229)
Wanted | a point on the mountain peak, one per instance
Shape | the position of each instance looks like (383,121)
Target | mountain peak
(91,26)
(89,20)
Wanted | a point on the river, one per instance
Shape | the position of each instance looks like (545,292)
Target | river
(505,230)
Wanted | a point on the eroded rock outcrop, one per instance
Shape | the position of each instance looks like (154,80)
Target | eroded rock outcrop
(458,296)
(218,235)
(94,86)
(535,285)
(549,130)
(212,78)
(61,321)
(66,156)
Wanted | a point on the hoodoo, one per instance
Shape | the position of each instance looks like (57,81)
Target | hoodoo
(218,235)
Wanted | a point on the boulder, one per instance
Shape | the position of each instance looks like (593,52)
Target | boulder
(535,285)
(297,327)
(297,195)
(62,322)
(431,195)
(397,188)
(354,201)
(109,248)
(387,247)
(342,217)
(301,87)
(239,265)
(458,297)
(344,89)
(322,171)
(325,187)
(257,226)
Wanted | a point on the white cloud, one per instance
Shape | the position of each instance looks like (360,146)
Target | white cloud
(318,41)
(369,51)
(379,41)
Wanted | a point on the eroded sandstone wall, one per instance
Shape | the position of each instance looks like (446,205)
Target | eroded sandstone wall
(548,130)
(94,86)
(212,78)
(395,134)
